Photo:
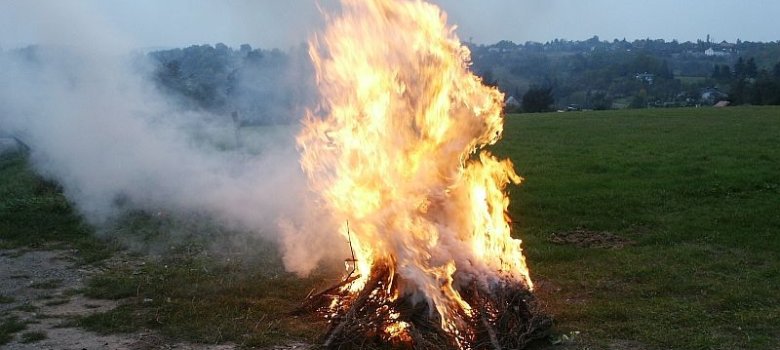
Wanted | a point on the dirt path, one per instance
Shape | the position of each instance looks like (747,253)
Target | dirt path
(44,287)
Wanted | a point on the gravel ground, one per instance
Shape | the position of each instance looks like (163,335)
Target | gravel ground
(44,285)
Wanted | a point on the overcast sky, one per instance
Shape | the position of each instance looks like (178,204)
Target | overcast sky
(284,23)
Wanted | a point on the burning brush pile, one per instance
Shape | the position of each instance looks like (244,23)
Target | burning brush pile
(396,149)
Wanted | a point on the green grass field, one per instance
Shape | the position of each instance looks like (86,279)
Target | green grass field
(694,192)
(698,190)
(34,213)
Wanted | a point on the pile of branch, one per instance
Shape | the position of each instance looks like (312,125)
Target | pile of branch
(508,317)
(505,318)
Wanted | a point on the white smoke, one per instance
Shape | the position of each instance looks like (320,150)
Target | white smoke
(97,124)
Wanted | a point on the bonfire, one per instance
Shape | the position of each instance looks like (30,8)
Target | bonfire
(396,151)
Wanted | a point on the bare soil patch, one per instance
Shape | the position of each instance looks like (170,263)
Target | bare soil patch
(590,239)
(42,288)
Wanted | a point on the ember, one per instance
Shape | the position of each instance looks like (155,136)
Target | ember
(505,317)
(396,148)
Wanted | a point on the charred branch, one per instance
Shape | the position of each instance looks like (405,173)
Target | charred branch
(317,300)
(505,317)
(357,306)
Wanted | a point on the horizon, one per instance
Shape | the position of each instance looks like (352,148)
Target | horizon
(236,45)
(144,24)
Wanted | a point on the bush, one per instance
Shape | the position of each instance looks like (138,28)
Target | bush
(538,99)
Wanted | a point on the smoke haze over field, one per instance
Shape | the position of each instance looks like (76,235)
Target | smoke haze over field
(98,124)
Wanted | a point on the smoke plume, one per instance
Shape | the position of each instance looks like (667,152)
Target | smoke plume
(97,124)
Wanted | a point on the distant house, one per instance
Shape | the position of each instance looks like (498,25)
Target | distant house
(646,78)
(722,104)
(511,103)
(714,53)
(727,46)
(712,95)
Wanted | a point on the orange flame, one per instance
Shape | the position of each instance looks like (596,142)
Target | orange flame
(398,332)
(396,149)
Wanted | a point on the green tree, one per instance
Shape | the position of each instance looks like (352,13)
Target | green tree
(665,71)
(776,72)
(170,75)
(765,92)
(725,72)
(739,68)
(599,100)
(739,91)
(488,78)
(640,100)
(538,99)
(716,72)
(751,69)
(721,73)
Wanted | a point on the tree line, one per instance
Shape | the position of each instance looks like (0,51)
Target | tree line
(597,74)
(748,84)
(255,86)
(272,86)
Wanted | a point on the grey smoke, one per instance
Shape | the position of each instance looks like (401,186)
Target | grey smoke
(97,124)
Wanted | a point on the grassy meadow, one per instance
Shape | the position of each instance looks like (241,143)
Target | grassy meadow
(692,195)
(697,191)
